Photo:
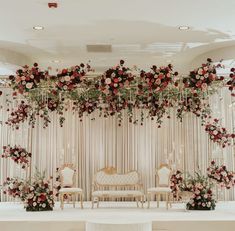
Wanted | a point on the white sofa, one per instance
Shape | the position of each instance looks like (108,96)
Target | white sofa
(108,184)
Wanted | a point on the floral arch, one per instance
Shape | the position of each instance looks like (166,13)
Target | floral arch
(37,93)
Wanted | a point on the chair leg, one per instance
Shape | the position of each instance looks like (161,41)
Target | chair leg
(92,203)
(142,201)
(137,201)
(62,201)
(81,200)
(74,198)
(148,198)
(167,200)
(170,200)
(158,199)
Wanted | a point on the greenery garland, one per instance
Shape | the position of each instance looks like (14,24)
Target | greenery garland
(119,89)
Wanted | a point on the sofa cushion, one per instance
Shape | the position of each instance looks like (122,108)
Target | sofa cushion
(117,193)
(70,190)
(159,189)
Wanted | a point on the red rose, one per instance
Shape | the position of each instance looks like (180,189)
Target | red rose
(42,197)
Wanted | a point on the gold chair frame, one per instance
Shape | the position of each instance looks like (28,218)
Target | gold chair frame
(110,171)
(158,194)
(72,194)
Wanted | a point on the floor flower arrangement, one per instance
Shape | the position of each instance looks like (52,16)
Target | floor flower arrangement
(198,188)
(39,196)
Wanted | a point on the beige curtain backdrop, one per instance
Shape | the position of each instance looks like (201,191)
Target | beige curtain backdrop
(95,144)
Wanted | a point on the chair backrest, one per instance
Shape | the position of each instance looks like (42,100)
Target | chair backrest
(163,175)
(67,174)
(109,177)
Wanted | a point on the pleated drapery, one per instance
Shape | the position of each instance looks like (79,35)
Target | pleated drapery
(97,142)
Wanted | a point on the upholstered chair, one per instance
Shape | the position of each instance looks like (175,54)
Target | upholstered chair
(67,176)
(163,175)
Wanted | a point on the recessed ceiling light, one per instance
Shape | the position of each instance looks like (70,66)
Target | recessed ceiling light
(55,61)
(184,27)
(38,28)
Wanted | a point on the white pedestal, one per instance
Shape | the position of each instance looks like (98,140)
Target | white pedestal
(119,225)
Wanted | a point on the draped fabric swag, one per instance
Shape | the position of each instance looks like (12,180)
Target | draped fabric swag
(98,142)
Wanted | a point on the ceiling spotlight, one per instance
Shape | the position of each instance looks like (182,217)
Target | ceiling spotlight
(184,27)
(55,61)
(38,28)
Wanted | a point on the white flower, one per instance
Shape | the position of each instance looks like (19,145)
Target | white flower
(108,81)
(67,78)
(23,82)
(200,71)
(11,186)
(215,132)
(65,87)
(34,204)
(29,85)
(113,75)
(32,76)
(158,81)
(44,205)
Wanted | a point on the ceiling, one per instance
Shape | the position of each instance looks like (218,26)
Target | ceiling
(142,32)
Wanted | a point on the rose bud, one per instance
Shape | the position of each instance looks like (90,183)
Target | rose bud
(122,62)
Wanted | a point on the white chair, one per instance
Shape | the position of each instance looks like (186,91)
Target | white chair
(163,185)
(67,176)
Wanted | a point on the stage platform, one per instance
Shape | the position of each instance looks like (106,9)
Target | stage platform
(14,217)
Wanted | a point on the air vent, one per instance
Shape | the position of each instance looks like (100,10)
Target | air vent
(99,48)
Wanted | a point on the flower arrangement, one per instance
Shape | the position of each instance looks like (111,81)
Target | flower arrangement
(194,104)
(153,92)
(19,115)
(231,82)
(18,154)
(27,78)
(158,78)
(14,187)
(202,198)
(69,78)
(57,184)
(202,77)
(114,79)
(218,134)
(39,196)
(220,174)
(175,181)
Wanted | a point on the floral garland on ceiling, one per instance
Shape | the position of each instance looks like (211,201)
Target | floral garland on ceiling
(153,92)
(231,82)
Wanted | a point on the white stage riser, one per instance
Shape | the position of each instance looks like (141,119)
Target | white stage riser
(14,217)
(81,226)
